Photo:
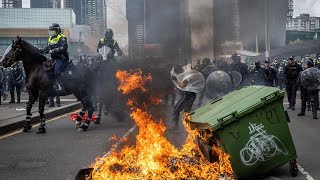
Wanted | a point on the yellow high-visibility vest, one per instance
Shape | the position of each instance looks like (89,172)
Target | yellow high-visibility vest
(55,40)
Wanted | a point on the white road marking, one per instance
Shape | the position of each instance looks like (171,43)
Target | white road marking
(35,125)
(308,176)
(123,138)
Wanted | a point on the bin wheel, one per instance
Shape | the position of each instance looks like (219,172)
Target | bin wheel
(293,168)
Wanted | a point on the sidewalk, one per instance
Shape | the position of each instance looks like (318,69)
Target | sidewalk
(13,115)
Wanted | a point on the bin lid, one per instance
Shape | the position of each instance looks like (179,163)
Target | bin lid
(233,106)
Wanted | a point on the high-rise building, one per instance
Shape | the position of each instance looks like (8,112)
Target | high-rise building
(247,21)
(12,3)
(303,23)
(158,29)
(290,9)
(89,12)
(45,3)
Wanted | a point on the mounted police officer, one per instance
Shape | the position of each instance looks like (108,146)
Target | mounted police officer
(58,48)
(15,81)
(291,73)
(109,42)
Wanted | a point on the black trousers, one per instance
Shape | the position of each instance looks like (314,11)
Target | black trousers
(292,88)
(312,96)
(185,103)
(15,86)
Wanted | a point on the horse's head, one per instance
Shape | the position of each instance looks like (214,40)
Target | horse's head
(13,53)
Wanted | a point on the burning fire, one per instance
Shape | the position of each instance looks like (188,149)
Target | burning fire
(153,156)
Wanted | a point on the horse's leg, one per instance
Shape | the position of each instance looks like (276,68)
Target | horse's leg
(83,110)
(88,105)
(42,101)
(32,98)
(100,105)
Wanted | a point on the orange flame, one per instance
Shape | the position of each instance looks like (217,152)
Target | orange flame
(153,156)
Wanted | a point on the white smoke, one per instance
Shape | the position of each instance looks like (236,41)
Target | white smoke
(311,7)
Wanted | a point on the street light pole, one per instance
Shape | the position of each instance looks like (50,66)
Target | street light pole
(266,29)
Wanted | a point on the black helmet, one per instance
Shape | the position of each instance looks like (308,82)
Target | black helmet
(206,61)
(257,63)
(108,34)
(309,63)
(54,29)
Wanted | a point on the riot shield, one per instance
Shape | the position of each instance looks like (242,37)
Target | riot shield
(236,78)
(310,79)
(218,84)
(105,52)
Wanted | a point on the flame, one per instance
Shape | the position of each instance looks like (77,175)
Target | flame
(153,156)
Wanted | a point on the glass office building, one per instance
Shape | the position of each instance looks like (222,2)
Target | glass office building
(39,18)
(32,24)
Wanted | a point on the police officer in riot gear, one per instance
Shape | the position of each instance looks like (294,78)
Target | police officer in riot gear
(311,95)
(58,48)
(271,77)
(291,73)
(2,79)
(109,42)
(240,67)
(257,74)
(15,81)
(275,63)
(318,63)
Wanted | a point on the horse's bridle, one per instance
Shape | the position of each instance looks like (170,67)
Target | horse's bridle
(14,55)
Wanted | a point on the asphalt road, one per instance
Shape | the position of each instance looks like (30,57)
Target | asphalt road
(61,152)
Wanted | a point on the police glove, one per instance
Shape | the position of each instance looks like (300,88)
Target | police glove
(120,53)
(52,51)
(41,50)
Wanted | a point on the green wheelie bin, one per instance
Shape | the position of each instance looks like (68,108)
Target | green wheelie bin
(250,125)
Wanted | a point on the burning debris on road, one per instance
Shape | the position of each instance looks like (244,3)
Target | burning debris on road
(153,156)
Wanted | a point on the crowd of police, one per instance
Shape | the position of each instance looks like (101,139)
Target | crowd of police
(13,81)
(284,74)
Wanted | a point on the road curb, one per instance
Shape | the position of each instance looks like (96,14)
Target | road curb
(50,113)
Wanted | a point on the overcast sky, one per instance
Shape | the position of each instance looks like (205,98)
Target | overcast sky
(306,6)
